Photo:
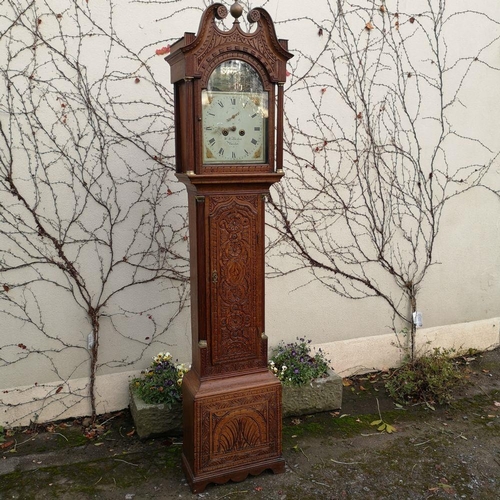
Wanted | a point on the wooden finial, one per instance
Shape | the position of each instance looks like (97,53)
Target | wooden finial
(236,11)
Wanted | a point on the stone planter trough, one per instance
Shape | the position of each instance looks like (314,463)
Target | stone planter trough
(155,419)
(324,394)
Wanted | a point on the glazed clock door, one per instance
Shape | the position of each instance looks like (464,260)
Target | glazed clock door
(236,267)
(234,116)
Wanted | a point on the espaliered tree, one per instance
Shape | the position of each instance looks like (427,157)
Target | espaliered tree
(92,230)
(373,163)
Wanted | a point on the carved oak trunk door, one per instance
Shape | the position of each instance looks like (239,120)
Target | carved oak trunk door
(229,134)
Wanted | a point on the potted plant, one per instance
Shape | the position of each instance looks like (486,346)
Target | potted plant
(309,384)
(156,397)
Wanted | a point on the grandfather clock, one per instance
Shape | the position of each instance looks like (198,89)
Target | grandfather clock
(229,138)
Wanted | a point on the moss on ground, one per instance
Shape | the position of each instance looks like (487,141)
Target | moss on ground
(121,471)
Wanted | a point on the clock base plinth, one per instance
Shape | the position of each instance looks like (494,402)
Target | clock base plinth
(198,484)
(232,428)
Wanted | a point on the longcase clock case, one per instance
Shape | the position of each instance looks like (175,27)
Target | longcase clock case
(231,402)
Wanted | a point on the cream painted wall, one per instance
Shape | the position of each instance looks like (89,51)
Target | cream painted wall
(459,299)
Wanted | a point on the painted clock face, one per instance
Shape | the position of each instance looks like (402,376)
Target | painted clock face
(234,127)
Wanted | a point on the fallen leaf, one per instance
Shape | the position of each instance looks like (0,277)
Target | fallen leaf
(496,403)
(7,444)
(346,382)
(446,487)
(131,433)
(163,51)
(258,488)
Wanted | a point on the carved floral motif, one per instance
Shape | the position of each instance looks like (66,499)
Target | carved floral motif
(233,250)
(239,41)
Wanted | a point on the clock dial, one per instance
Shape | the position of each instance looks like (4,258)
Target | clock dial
(234,127)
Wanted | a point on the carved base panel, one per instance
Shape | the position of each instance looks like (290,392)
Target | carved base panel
(232,428)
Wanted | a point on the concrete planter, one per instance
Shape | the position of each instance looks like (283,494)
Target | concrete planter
(322,394)
(155,419)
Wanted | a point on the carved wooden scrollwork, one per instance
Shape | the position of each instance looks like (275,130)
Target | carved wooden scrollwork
(253,16)
(238,432)
(221,12)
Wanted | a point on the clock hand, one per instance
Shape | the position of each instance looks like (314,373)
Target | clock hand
(234,116)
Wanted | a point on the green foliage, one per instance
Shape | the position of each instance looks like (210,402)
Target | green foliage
(383,426)
(2,437)
(294,364)
(430,379)
(161,383)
